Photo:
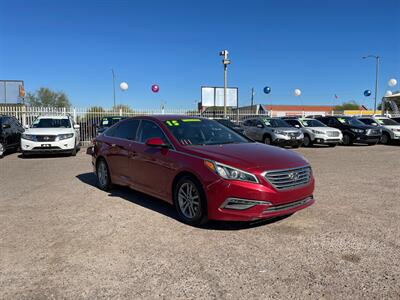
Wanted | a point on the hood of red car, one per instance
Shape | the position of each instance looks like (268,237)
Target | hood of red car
(249,156)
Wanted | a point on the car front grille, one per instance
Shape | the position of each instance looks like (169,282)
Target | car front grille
(294,133)
(288,178)
(289,205)
(332,133)
(46,138)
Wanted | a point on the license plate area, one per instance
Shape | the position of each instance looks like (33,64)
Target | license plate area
(46,145)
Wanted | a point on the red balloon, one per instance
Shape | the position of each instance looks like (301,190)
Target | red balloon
(155,88)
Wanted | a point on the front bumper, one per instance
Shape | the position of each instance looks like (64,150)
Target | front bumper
(268,201)
(62,146)
(367,139)
(282,140)
(324,139)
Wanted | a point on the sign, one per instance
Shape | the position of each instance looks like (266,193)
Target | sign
(214,96)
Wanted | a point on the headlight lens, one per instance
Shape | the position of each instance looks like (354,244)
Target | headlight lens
(28,137)
(65,136)
(317,131)
(280,132)
(357,130)
(230,173)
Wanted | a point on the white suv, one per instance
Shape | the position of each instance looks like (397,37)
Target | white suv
(51,134)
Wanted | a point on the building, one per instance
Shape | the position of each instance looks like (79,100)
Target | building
(296,110)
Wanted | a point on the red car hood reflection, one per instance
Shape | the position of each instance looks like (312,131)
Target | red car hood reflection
(249,156)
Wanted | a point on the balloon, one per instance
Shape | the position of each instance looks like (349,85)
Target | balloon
(392,82)
(367,93)
(388,93)
(297,92)
(267,90)
(155,88)
(123,86)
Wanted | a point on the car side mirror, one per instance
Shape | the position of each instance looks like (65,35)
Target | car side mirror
(156,142)
(260,126)
(5,126)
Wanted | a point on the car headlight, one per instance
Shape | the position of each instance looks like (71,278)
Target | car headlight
(280,132)
(357,130)
(230,173)
(28,137)
(61,137)
(317,131)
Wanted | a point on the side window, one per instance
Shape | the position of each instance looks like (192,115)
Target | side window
(332,122)
(248,122)
(292,122)
(149,129)
(125,130)
(258,122)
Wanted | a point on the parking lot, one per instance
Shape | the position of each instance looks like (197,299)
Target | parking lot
(61,237)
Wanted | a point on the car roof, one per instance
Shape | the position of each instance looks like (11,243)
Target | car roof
(163,118)
(53,117)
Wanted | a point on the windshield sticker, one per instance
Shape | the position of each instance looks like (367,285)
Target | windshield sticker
(191,120)
(172,123)
(268,123)
(305,123)
(341,120)
(105,122)
(380,121)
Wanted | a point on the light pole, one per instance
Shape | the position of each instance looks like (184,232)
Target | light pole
(377,58)
(225,62)
(113,77)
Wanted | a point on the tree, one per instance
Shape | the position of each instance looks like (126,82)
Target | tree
(350,105)
(47,98)
(125,108)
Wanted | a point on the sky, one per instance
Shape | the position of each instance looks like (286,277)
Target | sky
(315,46)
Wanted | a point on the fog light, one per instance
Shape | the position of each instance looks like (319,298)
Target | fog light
(242,204)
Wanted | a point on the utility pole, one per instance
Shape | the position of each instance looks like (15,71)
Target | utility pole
(377,59)
(252,99)
(225,62)
(113,78)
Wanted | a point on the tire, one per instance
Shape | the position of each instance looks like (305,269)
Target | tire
(307,142)
(267,140)
(25,154)
(332,145)
(385,139)
(103,175)
(73,152)
(347,140)
(190,201)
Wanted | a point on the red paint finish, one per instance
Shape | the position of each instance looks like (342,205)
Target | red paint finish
(152,169)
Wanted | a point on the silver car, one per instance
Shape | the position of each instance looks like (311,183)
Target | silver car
(390,128)
(273,131)
(316,132)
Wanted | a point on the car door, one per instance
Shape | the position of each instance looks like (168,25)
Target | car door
(153,167)
(17,131)
(119,151)
(7,133)
(251,129)
(259,130)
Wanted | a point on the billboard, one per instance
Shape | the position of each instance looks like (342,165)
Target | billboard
(214,96)
(12,91)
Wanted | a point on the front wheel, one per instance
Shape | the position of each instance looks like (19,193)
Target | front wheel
(267,140)
(385,139)
(190,202)
(307,142)
(103,175)
(347,140)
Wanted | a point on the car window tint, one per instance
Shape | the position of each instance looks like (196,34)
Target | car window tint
(125,130)
(149,129)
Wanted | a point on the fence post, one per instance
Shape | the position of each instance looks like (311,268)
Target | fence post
(120,112)
(24,116)
(74,112)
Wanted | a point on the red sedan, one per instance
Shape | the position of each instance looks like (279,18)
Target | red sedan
(206,170)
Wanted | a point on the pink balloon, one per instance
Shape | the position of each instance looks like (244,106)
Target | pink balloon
(155,88)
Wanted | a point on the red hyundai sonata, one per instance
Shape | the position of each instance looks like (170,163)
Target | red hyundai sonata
(206,170)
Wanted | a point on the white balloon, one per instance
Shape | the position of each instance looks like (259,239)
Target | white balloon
(297,92)
(392,82)
(123,86)
(388,93)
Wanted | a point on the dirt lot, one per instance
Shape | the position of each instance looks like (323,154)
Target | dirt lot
(61,237)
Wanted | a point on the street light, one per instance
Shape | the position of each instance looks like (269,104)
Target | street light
(377,58)
(225,62)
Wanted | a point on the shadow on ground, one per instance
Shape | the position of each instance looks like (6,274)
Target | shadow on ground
(168,210)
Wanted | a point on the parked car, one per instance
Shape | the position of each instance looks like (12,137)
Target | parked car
(107,122)
(316,132)
(353,130)
(206,170)
(51,134)
(273,131)
(390,128)
(10,134)
(231,125)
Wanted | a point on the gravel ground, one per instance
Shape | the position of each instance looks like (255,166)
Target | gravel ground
(61,237)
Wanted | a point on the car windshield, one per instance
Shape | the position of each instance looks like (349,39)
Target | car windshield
(312,123)
(275,123)
(387,122)
(226,122)
(350,121)
(108,122)
(51,123)
(190,132)
(369,121)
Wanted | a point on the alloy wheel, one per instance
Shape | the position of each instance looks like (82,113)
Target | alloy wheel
(384,139)
(189,200)
(102,174)
(306,141)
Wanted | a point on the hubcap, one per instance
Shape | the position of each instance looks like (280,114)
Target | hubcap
(1,149)
(306,141)
(188,200)
(102,173)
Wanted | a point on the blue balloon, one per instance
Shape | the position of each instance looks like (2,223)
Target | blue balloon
(267,90)
(367,93)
